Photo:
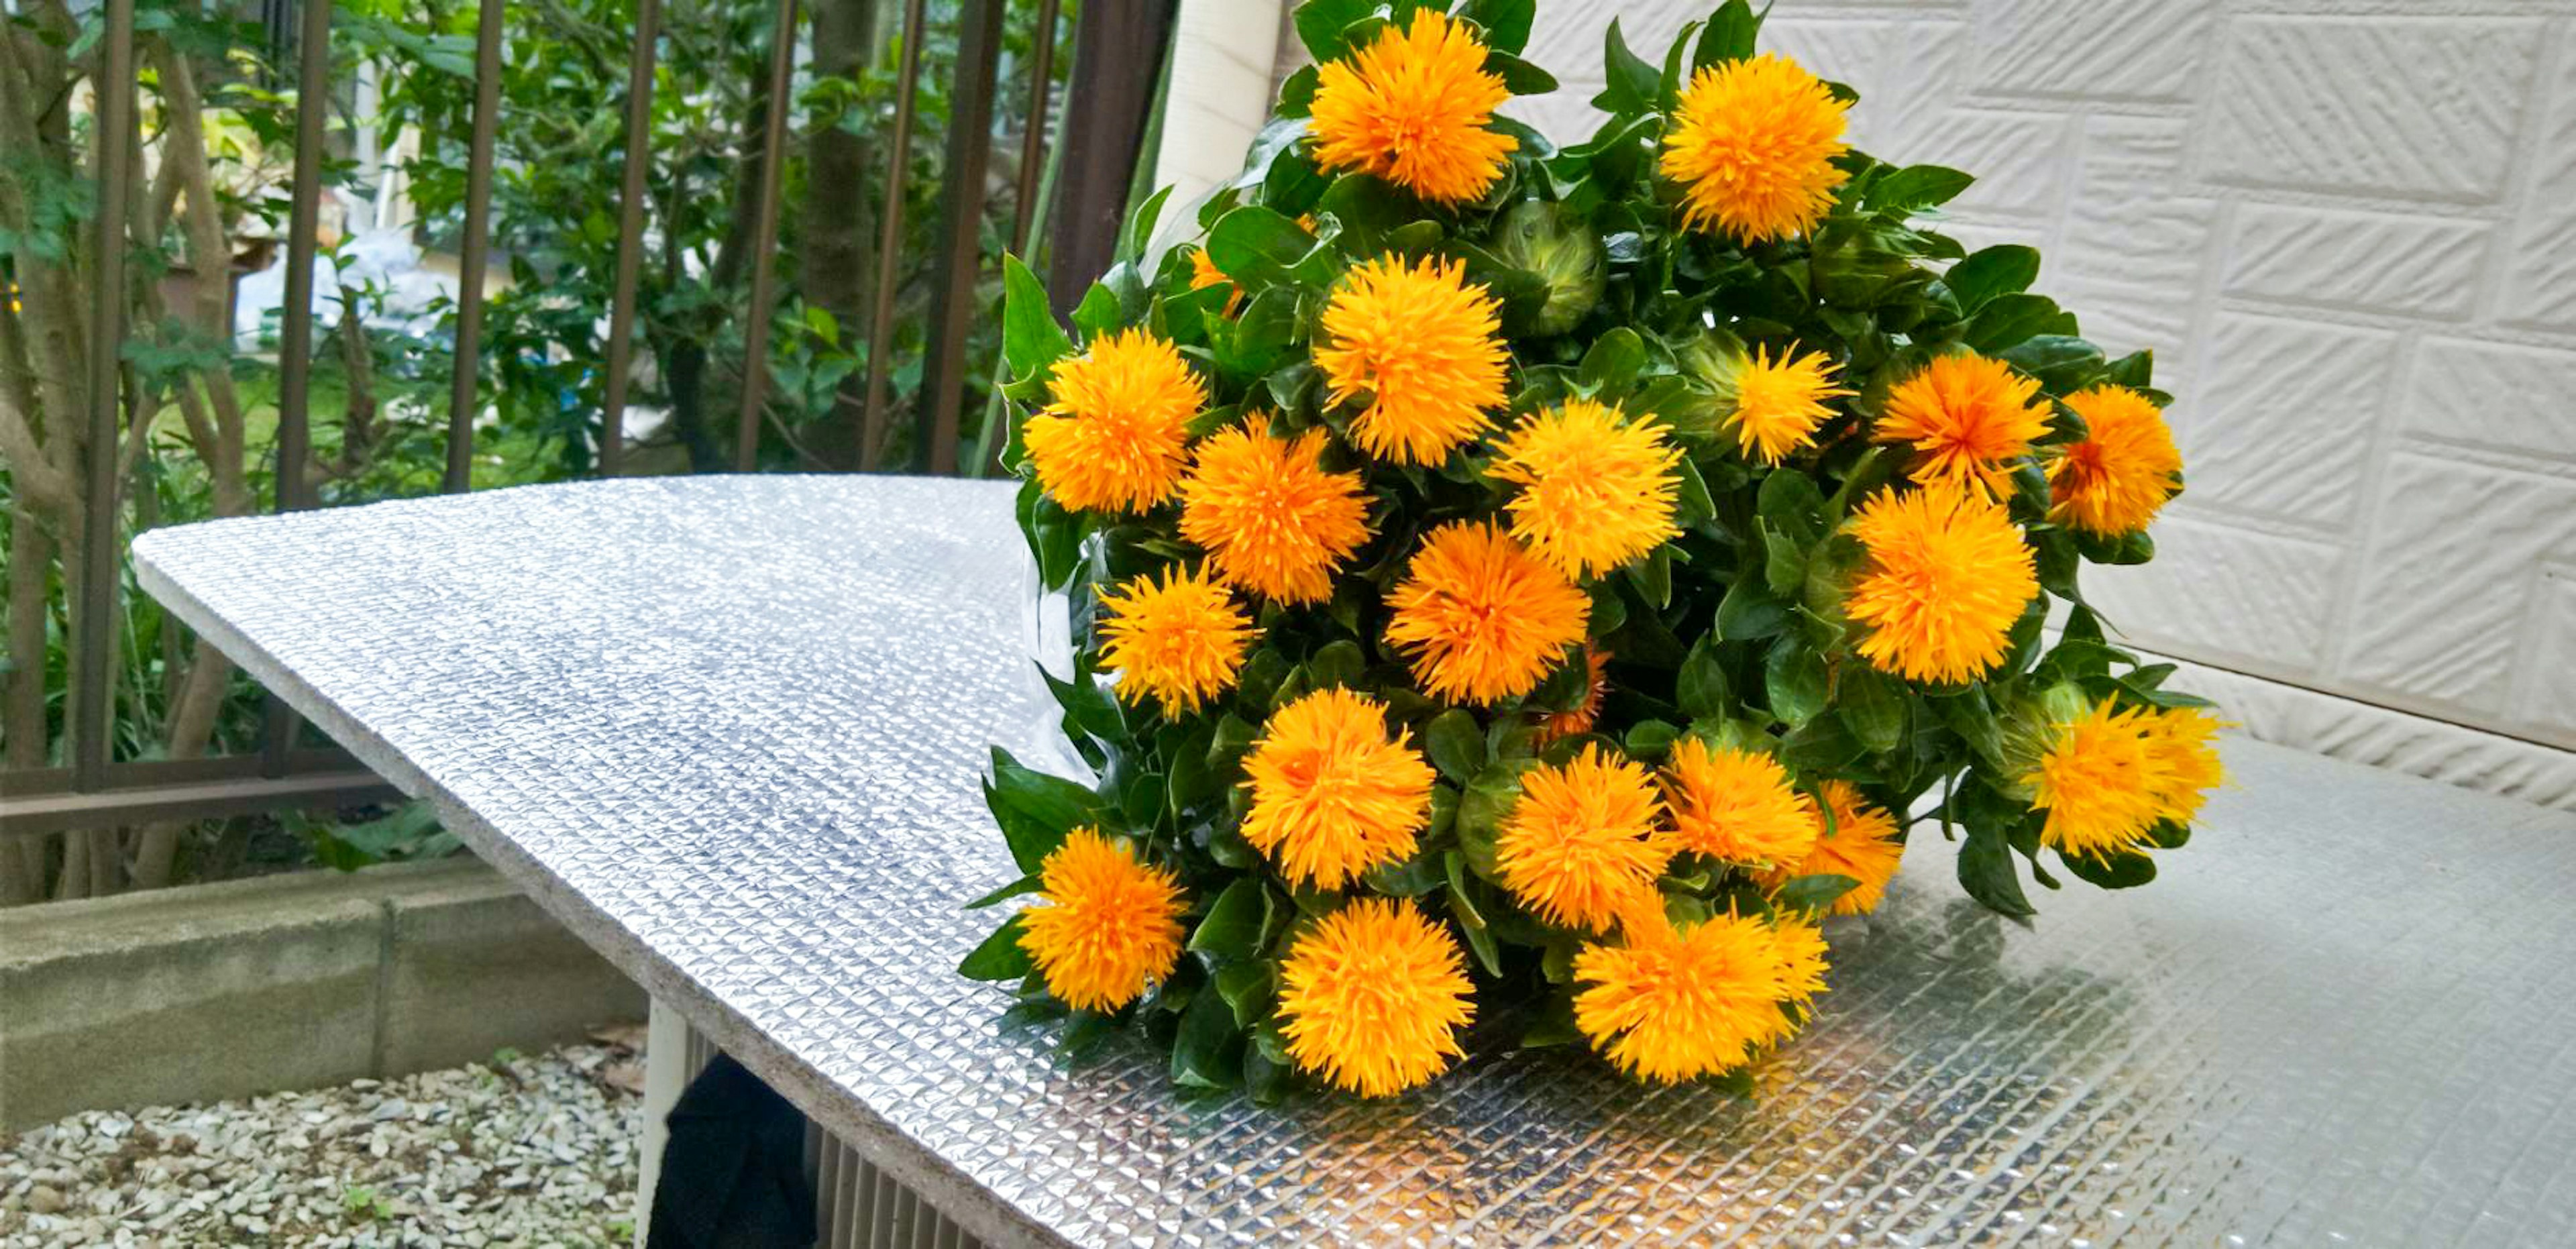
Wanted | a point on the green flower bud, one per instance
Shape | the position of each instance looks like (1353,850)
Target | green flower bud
(1714,360)
(1547,240)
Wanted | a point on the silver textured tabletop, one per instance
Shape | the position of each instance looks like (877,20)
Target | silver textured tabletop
(728,729)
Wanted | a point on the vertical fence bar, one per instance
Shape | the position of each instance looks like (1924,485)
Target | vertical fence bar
(93,666)
(872,422)
(1033,141)
(1118,50)
(295,320)
(476,250)
(773,159)
(630,235)
(961,214)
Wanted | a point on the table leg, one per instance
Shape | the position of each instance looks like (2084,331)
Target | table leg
(856,1206)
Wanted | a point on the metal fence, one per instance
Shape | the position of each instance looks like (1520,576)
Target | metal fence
(1116,60)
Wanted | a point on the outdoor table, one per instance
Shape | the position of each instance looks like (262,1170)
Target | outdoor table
(729,729)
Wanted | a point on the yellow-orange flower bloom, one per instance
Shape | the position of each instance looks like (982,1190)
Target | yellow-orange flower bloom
(1736,805)
(2185,741)
(1596,490)
(1557,725)
(1968,418)
(1862,845)
(1413,108)
(1752,145)
(1482,618)
(1780,402)
(1582,842)
(2115,481)
(1180,639)
(1332,794)
(1270,518)
(1944,579)
(2100,785)
(1424,346)
(2108,777)
(1670,1003)
(1105,925)
(1372,998)
(1116,437)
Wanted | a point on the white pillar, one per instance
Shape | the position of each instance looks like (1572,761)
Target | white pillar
(1222,56)
(668,1068)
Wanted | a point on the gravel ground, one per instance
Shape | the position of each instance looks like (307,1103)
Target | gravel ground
(519,1151)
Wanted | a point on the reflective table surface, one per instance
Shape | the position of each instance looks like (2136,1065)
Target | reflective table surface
(728,729)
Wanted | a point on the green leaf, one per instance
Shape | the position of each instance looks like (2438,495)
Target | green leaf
(1479,937)
(1822,745)
(1730,35)
(1036,810)
(1454,865)
(1257,246)
(1320,24)
(1000,956)
(1366,208)
(1337,664)
(1612,363)
(1088,704)
(1030,883)
(1700,690)
(1456,746)
(1631,84)
(1297,92)
(1480,813)
(1986,871)
(1507,22)
(1795,678)
(1247,987)
(1792,503)
(1099,313)
(2009,319)
(1813,893)
(1519,76)
(1234,925)
(1411,878)
(1970,716)
(2004,269)
(1749,610)
(1140,226)
(1208,1051)
(1653,577)
(1872,705)
(2119,871)
(1031,340)
(1784,566)
(1915,187)
(1650,740)
(2061,362)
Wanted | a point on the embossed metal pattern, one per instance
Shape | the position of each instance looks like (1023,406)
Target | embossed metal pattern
(729,729)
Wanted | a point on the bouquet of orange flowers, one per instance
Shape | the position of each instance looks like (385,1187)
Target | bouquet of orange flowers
(1526,589)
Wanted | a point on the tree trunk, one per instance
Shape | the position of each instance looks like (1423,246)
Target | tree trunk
(836,225)
(22,695)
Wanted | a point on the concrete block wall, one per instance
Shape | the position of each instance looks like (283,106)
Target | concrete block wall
(2348,230)
(284,982)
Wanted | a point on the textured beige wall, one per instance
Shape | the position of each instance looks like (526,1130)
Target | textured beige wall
(2348,229)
